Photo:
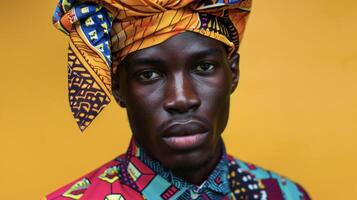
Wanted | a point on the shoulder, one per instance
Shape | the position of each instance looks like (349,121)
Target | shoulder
(99,180)
(275,185)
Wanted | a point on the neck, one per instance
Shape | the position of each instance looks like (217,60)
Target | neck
(197,175)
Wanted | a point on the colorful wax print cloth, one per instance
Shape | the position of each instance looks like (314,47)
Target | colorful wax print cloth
(103,32)
(135,176)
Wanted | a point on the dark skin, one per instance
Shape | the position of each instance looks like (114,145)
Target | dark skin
(180,87)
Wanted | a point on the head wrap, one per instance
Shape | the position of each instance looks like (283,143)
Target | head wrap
(103,32)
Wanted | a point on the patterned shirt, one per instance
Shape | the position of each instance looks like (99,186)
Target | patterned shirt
(136,176)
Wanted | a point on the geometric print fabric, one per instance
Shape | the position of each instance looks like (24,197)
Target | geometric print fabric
(128,177)
(86,95)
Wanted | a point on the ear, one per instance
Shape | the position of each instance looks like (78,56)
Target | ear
(116,90)
(233,62)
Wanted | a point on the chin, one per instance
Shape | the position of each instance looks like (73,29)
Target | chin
(195,159)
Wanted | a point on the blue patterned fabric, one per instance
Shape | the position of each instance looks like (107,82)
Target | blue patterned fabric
(95,23)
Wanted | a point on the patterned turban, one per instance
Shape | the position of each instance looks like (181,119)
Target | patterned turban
(103,32)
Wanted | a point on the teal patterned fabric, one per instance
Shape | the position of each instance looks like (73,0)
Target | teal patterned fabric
(216,185)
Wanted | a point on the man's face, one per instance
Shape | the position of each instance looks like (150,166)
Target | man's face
(177,98)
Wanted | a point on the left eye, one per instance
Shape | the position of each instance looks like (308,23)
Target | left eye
(148,75)
(204,68)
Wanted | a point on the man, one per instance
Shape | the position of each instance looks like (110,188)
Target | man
(174,66)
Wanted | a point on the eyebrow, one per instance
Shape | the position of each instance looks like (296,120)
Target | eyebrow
(148,60)
(208,52)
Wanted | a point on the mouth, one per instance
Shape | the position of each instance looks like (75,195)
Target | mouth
(184,135)
(185,142)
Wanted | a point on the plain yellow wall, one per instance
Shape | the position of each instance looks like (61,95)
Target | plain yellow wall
(294,112)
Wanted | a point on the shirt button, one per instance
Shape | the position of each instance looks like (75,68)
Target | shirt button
(194,195)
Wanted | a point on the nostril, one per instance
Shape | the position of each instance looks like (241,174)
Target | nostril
(194,104)
(179,106)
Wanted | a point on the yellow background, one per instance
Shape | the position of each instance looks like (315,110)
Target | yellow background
(294,112)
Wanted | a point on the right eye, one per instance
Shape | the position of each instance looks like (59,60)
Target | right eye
(148,75)
(205,68)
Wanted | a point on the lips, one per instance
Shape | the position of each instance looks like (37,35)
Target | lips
(184,134)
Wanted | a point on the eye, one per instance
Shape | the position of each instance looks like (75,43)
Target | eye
(204,68)
(148,75)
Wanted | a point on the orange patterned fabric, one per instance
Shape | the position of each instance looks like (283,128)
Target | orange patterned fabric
(103,32)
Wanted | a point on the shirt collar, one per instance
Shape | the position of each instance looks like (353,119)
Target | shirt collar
(216,182)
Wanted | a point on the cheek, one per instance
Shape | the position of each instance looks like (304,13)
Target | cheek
(222,116)
(215,95)
(143,104)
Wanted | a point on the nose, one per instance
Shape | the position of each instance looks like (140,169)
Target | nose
(181,96)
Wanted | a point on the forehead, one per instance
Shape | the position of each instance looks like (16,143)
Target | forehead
(180,46)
